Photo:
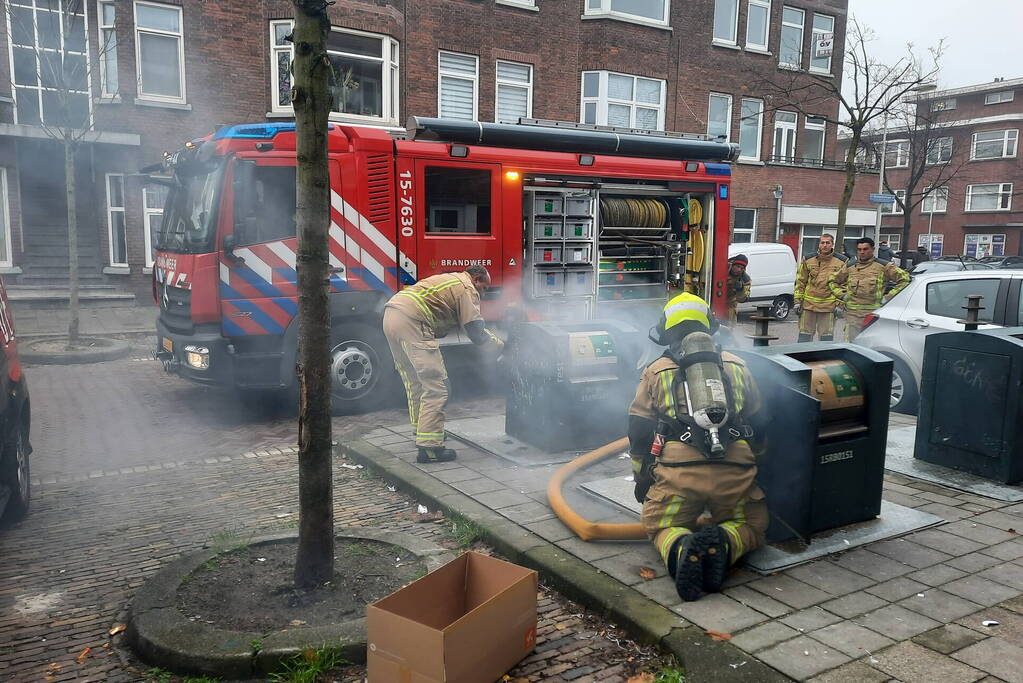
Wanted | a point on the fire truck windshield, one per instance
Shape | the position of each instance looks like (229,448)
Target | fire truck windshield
(190,215)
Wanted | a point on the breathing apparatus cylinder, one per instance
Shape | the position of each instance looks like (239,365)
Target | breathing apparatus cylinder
(705,388)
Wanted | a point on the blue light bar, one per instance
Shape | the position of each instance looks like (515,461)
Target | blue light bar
(253,131)
(718,169)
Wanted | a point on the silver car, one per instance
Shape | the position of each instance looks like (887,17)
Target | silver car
(932,303)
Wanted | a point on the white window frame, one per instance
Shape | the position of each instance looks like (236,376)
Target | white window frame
(275,50)
(734,40)
(528,87)
(5,215)
(752,232)
(896,210)
(111,210)
(900,148)
(159,32)
(752,43)
(941,145)
(814,33)
(946,104)
(802,37)
(37,49)
(894,239)
(1010,141)
(728,118)
(789,130)
(934,201)
(475,79)
(105,49)
(602,101)
(999,97)
(817,124)
(603,9)
(148,212)
(760,127)
(1004,191)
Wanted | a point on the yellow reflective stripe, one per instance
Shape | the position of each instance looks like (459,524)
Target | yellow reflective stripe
(413,412)
(637,465)
(419,302)
(684,307)
(429,434)
(667,539)
(818,299)
(669,512)
(667,386)
(738,385)
(420,296)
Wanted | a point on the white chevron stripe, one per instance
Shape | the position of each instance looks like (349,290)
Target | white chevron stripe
(283,252)
(407,264)
(225,273)
(373,266)
(357,219)
(168,277)
(256,265)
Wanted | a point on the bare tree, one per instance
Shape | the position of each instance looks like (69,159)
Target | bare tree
(55,69)
(314,563)
(927,162)
(867,94)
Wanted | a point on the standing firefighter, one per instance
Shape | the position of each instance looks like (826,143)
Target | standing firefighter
(860,286)
(738,285)
(688,431)
(414,319)
(815,302)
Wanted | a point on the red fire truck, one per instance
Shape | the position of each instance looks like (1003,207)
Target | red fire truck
(573,222)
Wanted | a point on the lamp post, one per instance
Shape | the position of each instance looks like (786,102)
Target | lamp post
(880,176)
(778,192)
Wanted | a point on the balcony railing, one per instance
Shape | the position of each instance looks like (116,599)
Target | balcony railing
(809,162)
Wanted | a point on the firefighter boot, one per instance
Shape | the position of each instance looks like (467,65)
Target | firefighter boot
(428,454)
(804,338)
(685,564)
(716,558)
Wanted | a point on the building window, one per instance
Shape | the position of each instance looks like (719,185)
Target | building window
(943,105)
(989,197)
(153,198)
(894,240)
(458,84)
(897,154)
(107,49)
(514,92)
(115,220)
(979,246)
(895,209)
(933,243)
(726,21)
(49,63)
(813,140)
(5,221)
(790,52)
(758,21)
(458,200)
(365,67)
(744,228)
(719,116)
(159,52)
(998,97)
(650,11)
(751,127)
(784,150)
(614,99)
(934,201)
(939,150)
(994,144)
(823,25)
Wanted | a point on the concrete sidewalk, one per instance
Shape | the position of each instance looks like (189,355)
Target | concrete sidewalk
(909,609)
(96,321)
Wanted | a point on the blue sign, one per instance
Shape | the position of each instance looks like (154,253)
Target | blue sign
(881,198)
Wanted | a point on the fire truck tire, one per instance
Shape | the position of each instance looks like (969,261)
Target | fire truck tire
(14,473)
(362,372)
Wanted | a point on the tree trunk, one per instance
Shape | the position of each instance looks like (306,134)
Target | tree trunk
(847,191)
(72,242)
(314,563)
(906,223)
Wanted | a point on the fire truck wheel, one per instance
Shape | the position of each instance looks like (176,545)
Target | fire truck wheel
(361,370)
(14,473)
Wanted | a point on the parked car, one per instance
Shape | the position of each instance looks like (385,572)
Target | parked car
(15,422)
(772,269)
(1003,261)
(932,303)
(948,267)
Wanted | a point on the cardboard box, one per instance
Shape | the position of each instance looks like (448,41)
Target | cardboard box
(468,622)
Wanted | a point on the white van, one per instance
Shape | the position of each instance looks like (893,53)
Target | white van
(772,269)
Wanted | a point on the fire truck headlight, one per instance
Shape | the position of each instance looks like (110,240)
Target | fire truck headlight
(197,357)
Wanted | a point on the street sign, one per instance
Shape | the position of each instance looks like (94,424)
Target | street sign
(823,44)
(881,198)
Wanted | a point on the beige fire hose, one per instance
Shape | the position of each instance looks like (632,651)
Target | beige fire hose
(584,528)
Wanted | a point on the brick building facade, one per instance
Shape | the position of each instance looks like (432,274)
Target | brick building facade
(975,146)
(161,72)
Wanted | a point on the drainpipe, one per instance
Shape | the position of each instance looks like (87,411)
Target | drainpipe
(778,192)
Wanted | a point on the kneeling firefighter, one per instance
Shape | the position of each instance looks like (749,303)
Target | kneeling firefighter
(689,433)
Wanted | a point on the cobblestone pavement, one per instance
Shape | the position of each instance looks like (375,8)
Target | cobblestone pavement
(908,609)
(134,467)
